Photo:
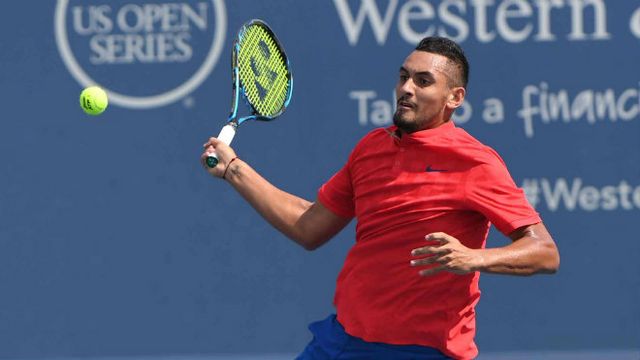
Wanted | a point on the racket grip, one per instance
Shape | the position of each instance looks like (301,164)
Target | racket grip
(226,136)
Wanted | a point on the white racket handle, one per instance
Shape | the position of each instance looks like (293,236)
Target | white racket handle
(227,133)
(226,136)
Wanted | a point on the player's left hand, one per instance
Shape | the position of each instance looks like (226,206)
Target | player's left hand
(447,254)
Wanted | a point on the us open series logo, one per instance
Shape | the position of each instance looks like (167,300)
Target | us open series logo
(145,55)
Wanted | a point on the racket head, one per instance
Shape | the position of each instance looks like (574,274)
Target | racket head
(262,73)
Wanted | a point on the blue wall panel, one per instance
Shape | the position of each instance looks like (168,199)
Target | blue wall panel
(114,241)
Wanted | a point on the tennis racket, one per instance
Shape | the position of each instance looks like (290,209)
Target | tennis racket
(261,75)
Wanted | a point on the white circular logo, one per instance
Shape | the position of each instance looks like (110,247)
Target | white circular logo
(143,102)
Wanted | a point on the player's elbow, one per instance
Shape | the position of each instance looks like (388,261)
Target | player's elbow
(310,247)
(550,258)
(310,243)
(304,240)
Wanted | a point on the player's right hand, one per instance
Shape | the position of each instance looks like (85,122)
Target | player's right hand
(224,153)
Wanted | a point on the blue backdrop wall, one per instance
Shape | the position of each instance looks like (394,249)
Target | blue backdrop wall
(114,241)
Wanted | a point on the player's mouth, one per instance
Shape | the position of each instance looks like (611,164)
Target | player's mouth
(406,105)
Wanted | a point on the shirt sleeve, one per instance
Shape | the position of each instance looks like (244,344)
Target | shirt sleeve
(490,190)
(337,194)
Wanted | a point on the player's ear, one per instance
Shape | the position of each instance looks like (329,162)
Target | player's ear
(456,97)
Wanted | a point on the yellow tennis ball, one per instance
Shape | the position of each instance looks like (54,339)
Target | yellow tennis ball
(93,100)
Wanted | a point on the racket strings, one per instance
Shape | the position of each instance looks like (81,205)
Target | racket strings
(263,71)
(267,95)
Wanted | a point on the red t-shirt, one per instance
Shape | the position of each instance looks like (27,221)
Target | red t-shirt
(400,189)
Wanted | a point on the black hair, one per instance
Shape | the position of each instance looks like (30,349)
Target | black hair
(452,51)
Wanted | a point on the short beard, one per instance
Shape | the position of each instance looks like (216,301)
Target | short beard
(404,125)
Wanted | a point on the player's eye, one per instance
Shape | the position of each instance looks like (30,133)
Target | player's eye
(424,81)
(403,77)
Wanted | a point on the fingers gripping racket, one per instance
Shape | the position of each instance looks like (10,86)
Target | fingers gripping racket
(261,75)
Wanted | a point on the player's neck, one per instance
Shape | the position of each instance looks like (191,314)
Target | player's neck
(431,125)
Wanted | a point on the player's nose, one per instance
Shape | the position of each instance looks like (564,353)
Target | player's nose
(406,88)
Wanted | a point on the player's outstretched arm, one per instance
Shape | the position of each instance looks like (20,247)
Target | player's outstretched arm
(309,224)
(532,251)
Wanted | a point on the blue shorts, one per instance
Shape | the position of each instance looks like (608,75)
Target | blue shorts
(331,342)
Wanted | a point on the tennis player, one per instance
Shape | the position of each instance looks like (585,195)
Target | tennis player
(424,193)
